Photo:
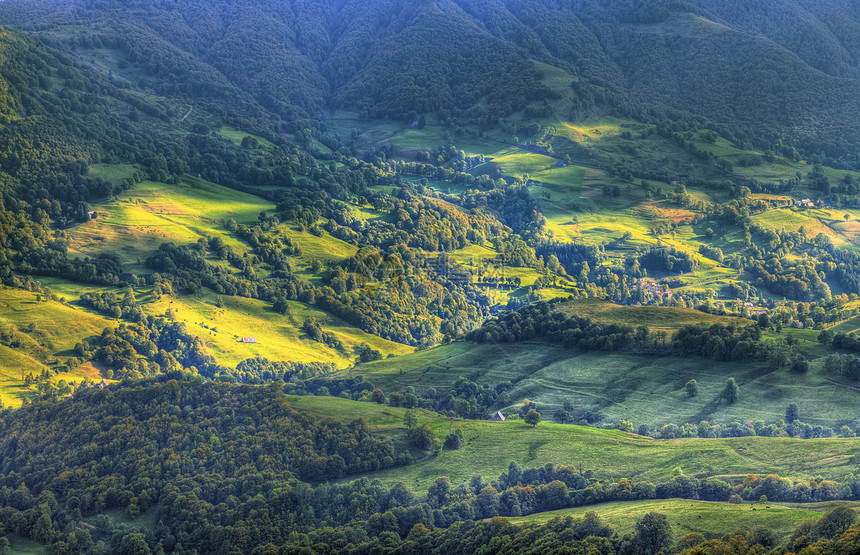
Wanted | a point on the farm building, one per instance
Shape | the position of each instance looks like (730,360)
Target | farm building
(249,340)
(499,417)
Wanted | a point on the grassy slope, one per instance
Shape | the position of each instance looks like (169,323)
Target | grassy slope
(686,516)
(491,446)
(668,319)
(23,546)
(642,389)
(221,328)
(58,327)
(279,337)
(235,136)
(142,218)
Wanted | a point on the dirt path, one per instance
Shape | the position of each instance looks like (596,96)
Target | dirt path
(846,386)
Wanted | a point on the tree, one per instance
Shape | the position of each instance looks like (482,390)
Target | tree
(562,416)
(134,544)
(690,541)
(653,534)
(410,419)
(401,494)
(732,391)
(792,413)
(800,366)
(487,502)
(43,530)
(835,522)
(454,440)
(377,396)
(779,357)
(422,437)
(532,417)
(692,388)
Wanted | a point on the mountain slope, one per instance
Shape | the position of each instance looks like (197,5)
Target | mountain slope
(766,72)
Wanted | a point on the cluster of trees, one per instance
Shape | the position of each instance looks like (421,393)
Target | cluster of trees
(669,260)
(315,332)
(540,321)
(722,342)
(464,398)
(797,280)
(739,428)
(847,366)
(544,322)
(260,370)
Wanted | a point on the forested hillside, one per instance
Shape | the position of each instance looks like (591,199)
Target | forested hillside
(752,71)
(294,276)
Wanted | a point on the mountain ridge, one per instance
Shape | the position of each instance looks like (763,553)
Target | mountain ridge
(471,58)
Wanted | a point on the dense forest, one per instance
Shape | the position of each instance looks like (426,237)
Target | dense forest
(398,59)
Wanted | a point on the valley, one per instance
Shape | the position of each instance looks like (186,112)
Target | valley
(454,276)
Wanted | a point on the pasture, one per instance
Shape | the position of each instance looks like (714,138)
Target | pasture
(645,389)
(611,454)
(279,337)
(139,220)
(43,336)
(686,516)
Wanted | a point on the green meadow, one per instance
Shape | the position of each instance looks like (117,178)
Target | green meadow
(611,454)
(47,332)
(235,136)
(685,516)
(139,220)
(643,389)
(279,337)
(115,173)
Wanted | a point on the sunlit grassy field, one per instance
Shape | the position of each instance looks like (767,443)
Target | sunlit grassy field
(279,337)
(136,223)
(50,331)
